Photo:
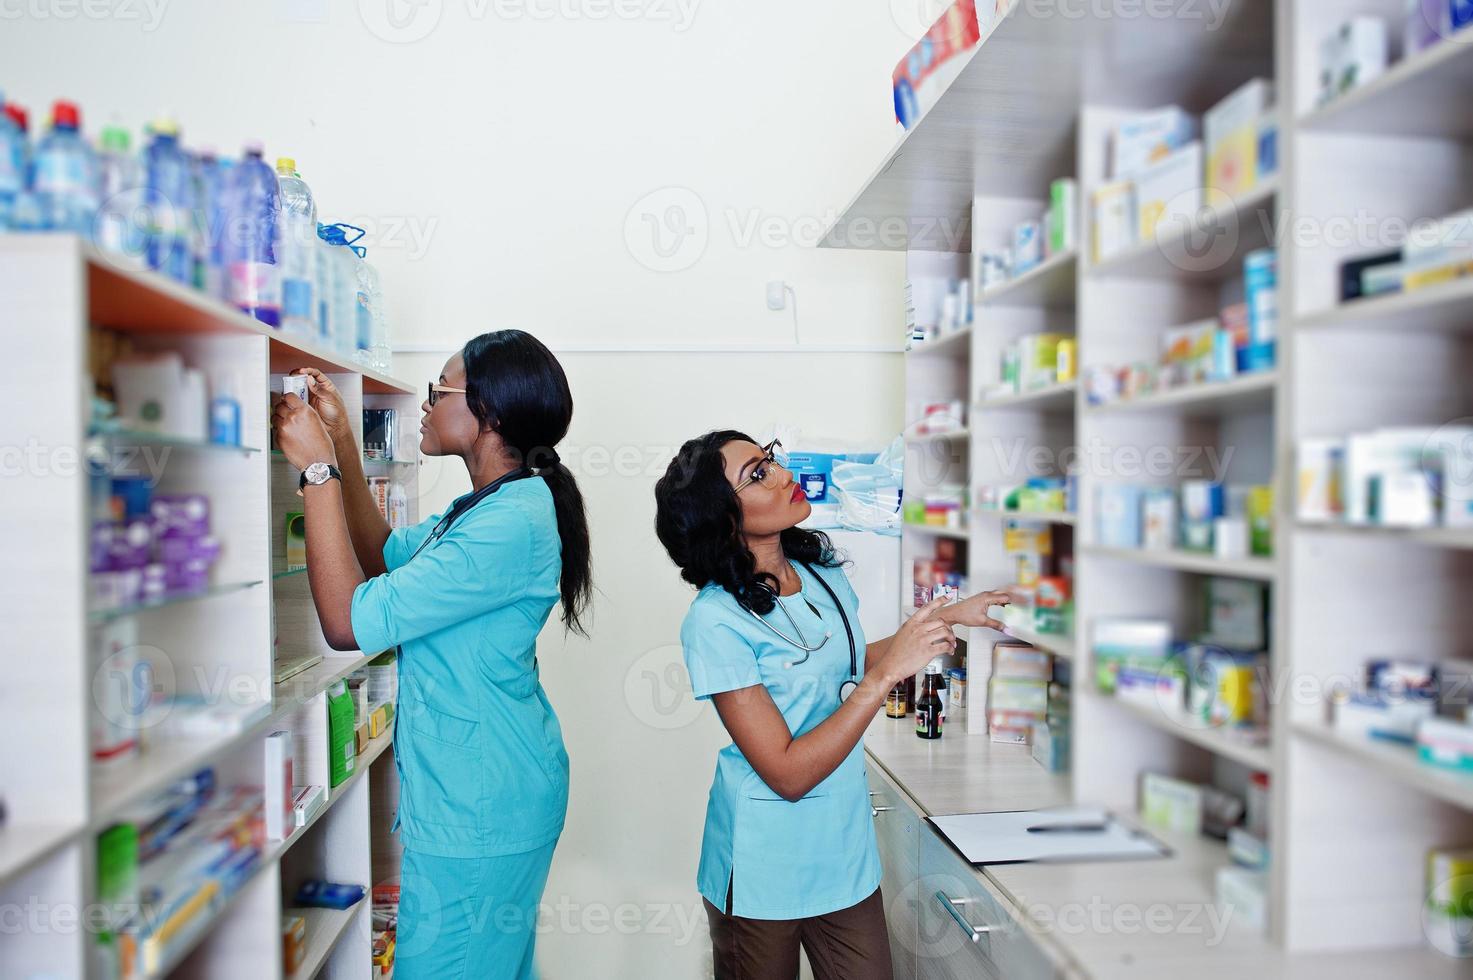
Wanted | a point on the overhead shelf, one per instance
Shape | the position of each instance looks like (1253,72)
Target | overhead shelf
(1053,398)
(324,928)
(1437,537)
(928,438)
(1424,95)
(937,531)
(1446,309)
(1398,761)
(1210,248)
(139,301)
(1046,516)
(1051,285)
(24,846)
(955,344)
(1219,741)
(1262,569)
(1251,392)
(988,135)
(1057,644)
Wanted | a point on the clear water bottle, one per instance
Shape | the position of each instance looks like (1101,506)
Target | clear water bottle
(297,251)
(26,213)
(65,175)
(322,264)
(252,209)
(203,167)
(12,167)
(342,292)
(170,200)
(368,290)
(213,175)
(120,231)
(380,334)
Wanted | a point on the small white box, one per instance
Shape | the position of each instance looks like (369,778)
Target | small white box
(1352,56)
(1114,219)
(1231,130)
(280,820)
(1145,137)
(1027,246)
(1242,896)
(1169,191)
(1230,538)
(1321,476)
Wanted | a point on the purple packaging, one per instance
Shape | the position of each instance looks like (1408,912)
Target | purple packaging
(182,515)
(100,556)
(131,545)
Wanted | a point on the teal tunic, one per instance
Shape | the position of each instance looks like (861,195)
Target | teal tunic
(480,753)
(784,860)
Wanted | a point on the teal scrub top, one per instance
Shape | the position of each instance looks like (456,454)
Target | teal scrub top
(784,860)
(483,771)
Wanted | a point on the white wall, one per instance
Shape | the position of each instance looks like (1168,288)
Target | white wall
(505,162)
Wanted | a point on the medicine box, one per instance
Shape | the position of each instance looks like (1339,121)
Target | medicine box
(1063,216)
(1158,510)
(1171,804)
(1168,193)
(1236,614)
(1146,137)
(1245,892)
(1019,537)
(1353,55)
(1020,662)
(296,540)
(1231,130)
(1186,353)
(1027,246)
(1320,475)
(1114,228)
(1118,519)
(1128,642)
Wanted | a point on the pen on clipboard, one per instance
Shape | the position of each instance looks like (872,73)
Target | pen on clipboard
(1069,828)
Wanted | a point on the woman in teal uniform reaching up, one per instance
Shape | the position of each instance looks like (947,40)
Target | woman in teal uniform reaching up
(788,857)
(463,595)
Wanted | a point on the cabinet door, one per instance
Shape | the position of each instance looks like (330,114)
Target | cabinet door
(965,930)
(898,829)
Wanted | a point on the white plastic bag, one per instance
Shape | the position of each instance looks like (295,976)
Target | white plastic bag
(869,493)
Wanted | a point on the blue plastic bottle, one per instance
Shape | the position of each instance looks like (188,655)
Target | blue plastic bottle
(252,209)
(213,176)
(65,177)
(119,229)
(12,167)
(170,203)
(26,215)
(297,252)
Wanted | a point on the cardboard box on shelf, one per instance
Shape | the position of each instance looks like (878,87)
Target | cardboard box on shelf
(1231,131)
(1168,193)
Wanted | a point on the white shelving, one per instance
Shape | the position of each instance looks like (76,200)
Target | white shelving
(1446,308)
(1227,744)
(1398,761)
(1051,398)
(937,531)
(1057,644)
(325,928)
(1047,517)
(1050,285)
(1262,569)
(1421,96)
(954,344)
(217,644)
(1249,392)
(1210,248)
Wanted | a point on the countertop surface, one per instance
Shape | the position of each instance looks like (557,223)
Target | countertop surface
(1143,920)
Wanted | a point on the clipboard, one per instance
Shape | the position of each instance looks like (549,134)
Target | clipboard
(1055,835)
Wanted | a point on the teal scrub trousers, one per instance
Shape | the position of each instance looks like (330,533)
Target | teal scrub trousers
(469,918)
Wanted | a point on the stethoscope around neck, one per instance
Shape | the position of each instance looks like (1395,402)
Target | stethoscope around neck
(849,686)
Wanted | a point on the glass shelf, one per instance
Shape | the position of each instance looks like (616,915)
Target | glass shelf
(134,437)
(108,615)
(277,576)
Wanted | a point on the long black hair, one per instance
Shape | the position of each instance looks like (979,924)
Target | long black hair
(699,521)
(517,388)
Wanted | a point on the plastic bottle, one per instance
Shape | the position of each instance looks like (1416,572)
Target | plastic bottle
(215,174)
(119,231)
(252,208)
(26,214)
(343,301)
(379,346)
(12,166)
(225,411)
(297,253)
(170,200)
(368,288)
(323,265)
(204,192)
(398,506)
(65,175)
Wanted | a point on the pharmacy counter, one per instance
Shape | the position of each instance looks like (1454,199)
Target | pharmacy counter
(1142,920)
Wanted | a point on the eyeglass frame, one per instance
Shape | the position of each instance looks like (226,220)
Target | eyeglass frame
(436,390)
(769,456)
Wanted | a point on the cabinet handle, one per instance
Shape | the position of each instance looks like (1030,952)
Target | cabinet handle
(953,908)
(875,811)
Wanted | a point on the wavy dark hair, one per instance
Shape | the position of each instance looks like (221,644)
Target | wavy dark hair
(517,388)
(699,521)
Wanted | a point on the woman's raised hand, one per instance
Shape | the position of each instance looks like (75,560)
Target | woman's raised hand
(921,639)
(327,401)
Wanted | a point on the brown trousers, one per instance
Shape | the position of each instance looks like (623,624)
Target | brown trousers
(850,944)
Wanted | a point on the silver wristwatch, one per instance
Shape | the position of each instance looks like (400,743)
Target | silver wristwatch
(316,474)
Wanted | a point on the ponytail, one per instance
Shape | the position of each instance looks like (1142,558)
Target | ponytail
(516,387)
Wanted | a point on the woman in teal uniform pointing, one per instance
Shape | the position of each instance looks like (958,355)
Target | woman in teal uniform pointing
(788,857)
(483,773)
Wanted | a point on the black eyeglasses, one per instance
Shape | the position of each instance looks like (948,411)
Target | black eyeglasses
(765,472)
(437,389)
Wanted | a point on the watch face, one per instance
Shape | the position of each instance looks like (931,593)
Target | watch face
(316,473)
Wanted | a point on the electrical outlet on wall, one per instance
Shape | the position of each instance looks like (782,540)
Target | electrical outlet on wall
(777,295)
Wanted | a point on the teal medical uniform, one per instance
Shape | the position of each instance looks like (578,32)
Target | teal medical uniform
(483,772)
(782,860)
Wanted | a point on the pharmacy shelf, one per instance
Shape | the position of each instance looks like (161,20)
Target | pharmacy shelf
(98,616)
(988,135)
(1424,95)
(1178,723)
(137,438)
(1210,248)
(1047,517)
(166,761)
(1249,393)
(928,438)
(288,573)
(270,855)
(1057,644)
(1051,285)
(1052,398)
(954,344)
(1446,308)
(1261,569)
(23,847)
(1437,537)
(139,301)
(936,531)
(1398,761)
(324,928)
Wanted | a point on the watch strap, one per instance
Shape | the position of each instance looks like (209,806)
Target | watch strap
(333,473)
